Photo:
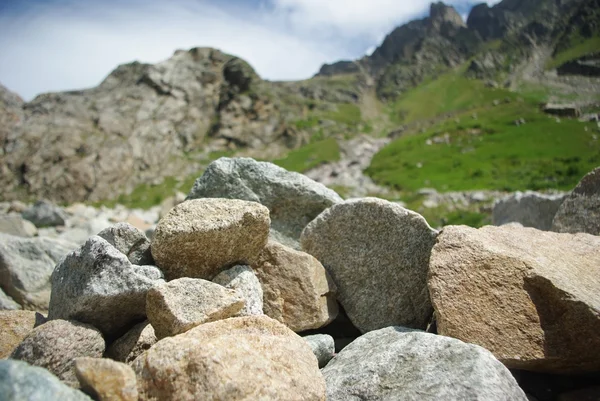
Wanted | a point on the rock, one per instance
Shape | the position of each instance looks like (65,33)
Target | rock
(131,345)
(15,225)
(293,199)
(15,325)
(97,284)
(26,265)
(20,381)
(17,207)
(399,364)
(45,214)
(7,303)
(179,305)
(528,296)
(106,380)
(130,241)
(244,358)
(243,280)
(323,346)
(170,203)
(531,209)
(298,292)
(580,212)
(377,253)
(199,238)
(55,344)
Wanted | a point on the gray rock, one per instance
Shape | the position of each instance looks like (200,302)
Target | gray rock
(97,284)
(54,345)
(293,199)
(7,303)
(20,381)
(45,214)
(14,224)
(323,346)
(179,305)
(26,265)
(531,209)
(133,343)
(243,280)
(200,238)
(580,212)
(130,241)
(399,364)
(377,253)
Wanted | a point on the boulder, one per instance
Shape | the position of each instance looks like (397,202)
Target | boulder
(323,346)
(199,238)
(243,280)
(14,224)
(580,212)
(528,296)
(26,265)
(243,358)
(15,325)
(377,253)
(179,305)
(106,380)
(293,199)
(20,381)
(45,214)
(7,303)
(298,292)
(402,364)
(130,241)
(531,209)
(133,343)
(54,345)
(97,284)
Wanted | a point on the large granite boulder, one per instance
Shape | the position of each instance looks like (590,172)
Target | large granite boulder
(20,381)
(54,345)
(377,253)
(243,280)
(244,358)
(397,364)
(293,199)
(200,238)
(531,209)
(298,291)
(179,305)
(528,296)
(26,265)
(580,212)
(97,284)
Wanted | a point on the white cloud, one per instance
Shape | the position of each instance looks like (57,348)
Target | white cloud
(69,44)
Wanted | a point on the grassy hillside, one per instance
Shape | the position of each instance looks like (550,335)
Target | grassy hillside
(583,47)
(481,146)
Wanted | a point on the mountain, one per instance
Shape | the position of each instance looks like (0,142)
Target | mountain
(150,124)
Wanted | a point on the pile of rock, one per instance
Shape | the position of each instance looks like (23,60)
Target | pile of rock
(212,307)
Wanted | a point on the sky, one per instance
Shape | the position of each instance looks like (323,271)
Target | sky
(57,45)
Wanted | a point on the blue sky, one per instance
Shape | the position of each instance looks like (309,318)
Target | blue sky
(52,45)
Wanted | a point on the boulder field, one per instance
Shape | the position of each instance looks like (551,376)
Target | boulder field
(265,285)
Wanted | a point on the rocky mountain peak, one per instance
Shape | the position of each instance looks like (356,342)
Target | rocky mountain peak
(441,14)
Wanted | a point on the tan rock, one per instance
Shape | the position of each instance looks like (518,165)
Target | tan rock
(56,344)
(530,297)
(131,345)
(177,306)
(297,291)
(201,237)
(245,358)
(106,380)
(15,325)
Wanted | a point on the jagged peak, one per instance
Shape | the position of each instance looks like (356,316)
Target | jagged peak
(440,13)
